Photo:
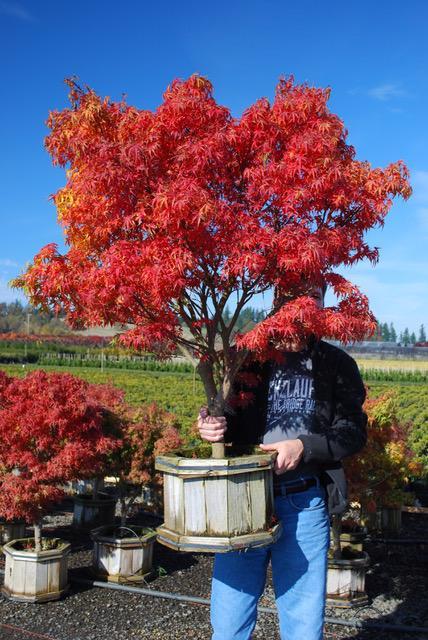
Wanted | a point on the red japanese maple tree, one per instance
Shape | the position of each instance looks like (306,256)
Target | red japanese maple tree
(172,214)
(148,431)
(53,428)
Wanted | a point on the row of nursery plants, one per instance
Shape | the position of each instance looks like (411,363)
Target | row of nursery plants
(56,429)
(12,340)
(182,394)
(95,361)
(115,362)
(393,375)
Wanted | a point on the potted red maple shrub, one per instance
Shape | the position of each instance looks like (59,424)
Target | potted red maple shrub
(124,552)
(376,477)
(53,429)
(15,528)
(172,215)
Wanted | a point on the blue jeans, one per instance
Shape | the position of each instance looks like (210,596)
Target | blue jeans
(299,570)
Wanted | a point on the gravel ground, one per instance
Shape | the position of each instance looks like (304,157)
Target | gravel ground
(396,584)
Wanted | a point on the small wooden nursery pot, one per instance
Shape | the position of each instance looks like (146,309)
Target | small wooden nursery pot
(89,513)
(391,520)
(346,581)
(217,505)
(352,539)
(11,531)
(122,559)
(35,576)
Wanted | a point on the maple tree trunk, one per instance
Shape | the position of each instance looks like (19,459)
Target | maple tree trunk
(123,511)
(215,402)
(95,488)
(336,530)
(217,409)
(38,535)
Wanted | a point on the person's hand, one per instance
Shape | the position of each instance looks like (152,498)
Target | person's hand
(290,453)
(211,428)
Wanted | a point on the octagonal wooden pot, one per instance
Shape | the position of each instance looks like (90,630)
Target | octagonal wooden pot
(218,505)
(391,520)
(122,554)
(35,576)
(346,581)
(11,531)
(89,512)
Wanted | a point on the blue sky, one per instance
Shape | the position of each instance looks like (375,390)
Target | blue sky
(373,55)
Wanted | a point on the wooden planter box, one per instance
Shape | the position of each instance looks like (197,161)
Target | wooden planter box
(11,531)
(352,539)
(346,581)
(391,520)
(89,513)
(118,559)
(32,576)
(217,505)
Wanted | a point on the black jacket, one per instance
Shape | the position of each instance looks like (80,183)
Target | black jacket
(340,422)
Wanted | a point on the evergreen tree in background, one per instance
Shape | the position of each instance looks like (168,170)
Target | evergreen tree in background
(412,338)
(392,333)
(405,337)
(385,332)
(422,335)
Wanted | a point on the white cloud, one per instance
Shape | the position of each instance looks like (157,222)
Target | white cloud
(6,262)
(384,92)
(16,11)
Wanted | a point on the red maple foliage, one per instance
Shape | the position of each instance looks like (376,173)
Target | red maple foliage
(378,474)
(53,428)
(149,431)
(169,215)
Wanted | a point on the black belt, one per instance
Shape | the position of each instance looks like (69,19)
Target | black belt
(284,490)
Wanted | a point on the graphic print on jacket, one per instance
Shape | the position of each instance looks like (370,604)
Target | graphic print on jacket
(291,403)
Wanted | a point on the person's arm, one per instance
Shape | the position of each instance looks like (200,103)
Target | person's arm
(347,434)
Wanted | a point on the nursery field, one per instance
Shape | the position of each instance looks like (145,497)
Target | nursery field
(388,364)
(182,394)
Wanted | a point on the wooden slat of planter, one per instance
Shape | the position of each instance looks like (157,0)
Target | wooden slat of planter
(53,576)
(43,581)
(173,496)
(147,558)
(238,505)
(15,580)
(125,565)
(258,503)
(30,571)
(169,507)
(137,559)
(195,511)
(177,498)
(216,500)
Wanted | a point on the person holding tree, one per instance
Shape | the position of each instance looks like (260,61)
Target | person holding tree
(307,408)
